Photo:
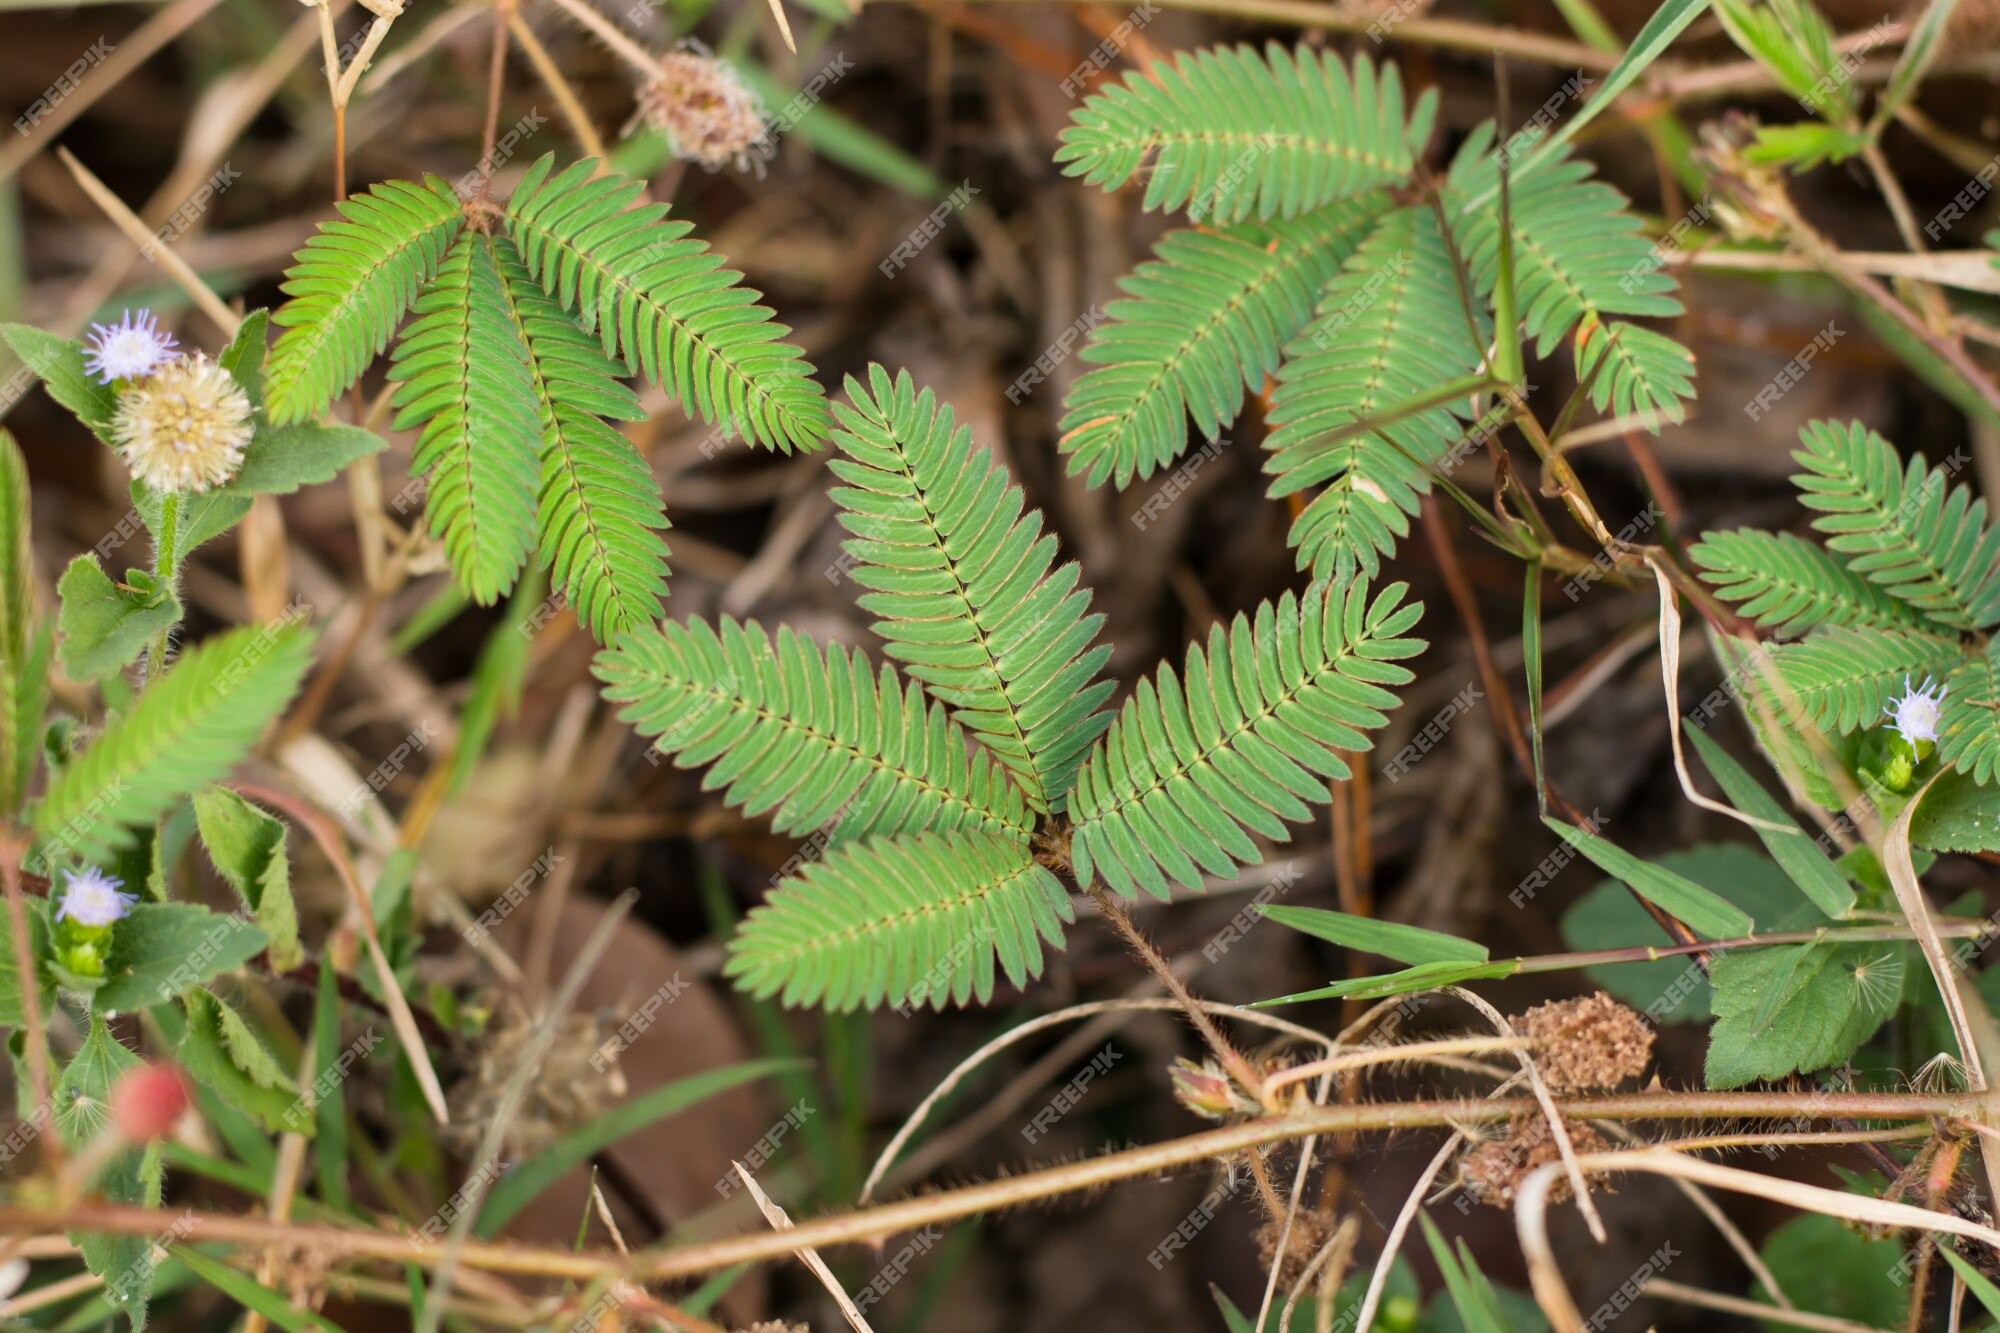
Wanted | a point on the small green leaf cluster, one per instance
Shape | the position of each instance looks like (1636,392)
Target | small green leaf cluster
(1370,291)
(1903,590)
(526,318)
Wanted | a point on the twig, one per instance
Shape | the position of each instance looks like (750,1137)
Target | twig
(1709,1300)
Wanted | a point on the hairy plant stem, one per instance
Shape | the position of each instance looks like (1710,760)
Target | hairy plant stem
(871,1224)
(1121,921)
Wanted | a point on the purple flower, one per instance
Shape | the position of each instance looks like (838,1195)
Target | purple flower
(131,349)
(92,898)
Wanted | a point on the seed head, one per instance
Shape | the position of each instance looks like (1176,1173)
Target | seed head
(185,428)
(91,898)
(1493,1172)
(1592,1042)
(703,107)
(131,349)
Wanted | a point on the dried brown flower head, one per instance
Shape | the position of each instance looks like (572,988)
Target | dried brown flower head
(703,107)
(567,1090)
(1492,1172)
(1592,1042)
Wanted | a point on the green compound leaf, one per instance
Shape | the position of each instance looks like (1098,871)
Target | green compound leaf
(908,921)
(805,734)
(963,582)
(350,287)
(191,727)
(1249,743)
(1229,134)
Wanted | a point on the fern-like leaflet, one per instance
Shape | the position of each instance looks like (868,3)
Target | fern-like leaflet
(963,585)
(1242,740)
(463,376)
(1230,134)
(190,727)
(805,734)
(1789,586)
(936,912)
(1205,319)
(662,301)
(1356,409)
(599,512)
(351,286)
(1903,527)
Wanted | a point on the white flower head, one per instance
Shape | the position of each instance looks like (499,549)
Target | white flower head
(131,349)
(1915,712)
(92,898)
(185,428)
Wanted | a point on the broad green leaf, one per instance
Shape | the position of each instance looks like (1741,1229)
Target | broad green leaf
(1796,1008)
(219,1049)
(1700,909)
(248,847)
(1828,1268)
(244,357)
(131,1176)
(521,1186)
(280,459)
(1957,815)
(104,626)
(59,362)
(162,949)
(1391,939)
(1801,858)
